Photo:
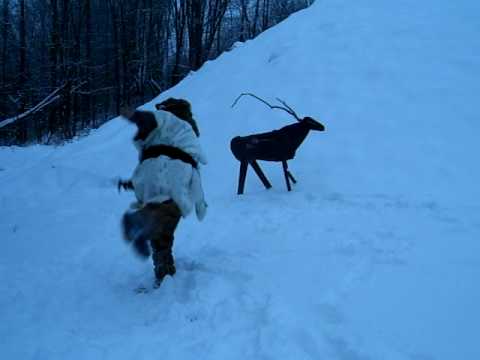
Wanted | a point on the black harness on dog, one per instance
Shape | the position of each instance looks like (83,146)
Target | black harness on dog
(172,152)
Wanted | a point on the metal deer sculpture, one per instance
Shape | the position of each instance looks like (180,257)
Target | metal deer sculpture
(278,145)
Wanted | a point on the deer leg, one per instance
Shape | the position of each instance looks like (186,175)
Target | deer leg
(242,177)
(290,174)
(260,174)
(287,175)
(291,177)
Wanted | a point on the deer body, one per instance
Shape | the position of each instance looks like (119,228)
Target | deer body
(277,145)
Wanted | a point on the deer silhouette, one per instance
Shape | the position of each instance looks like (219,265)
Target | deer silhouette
(278,145)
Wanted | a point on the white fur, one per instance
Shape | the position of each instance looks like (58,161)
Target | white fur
(162,178)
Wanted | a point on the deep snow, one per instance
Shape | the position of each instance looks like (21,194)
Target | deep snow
(374,255)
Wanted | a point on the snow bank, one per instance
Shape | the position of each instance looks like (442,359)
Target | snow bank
(374,255)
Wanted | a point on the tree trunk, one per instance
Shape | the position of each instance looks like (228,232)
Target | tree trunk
(196,13)
(180,14)
(244,21)
(125,54)
(116,57)
(255,19)
(216,14)
(266,15)
(88,62)
(5,23)
(22,70)
(54,55)
(65,60)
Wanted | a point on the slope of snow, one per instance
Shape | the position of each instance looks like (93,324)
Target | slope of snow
(374,255)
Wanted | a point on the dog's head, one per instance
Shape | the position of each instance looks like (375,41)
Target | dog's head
(180,108)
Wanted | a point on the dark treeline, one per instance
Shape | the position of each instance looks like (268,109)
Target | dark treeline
(67,66)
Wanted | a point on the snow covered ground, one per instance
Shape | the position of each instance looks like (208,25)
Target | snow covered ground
(374,255)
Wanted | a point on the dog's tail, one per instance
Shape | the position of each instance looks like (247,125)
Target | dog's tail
(134,232)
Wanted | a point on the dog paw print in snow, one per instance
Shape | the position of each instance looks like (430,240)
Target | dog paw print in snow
(273,57)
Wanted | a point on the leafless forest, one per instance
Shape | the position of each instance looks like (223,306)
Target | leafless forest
(67,66)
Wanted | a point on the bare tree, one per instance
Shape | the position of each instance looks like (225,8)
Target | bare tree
(180,22)
(106,54)
(5,27)
(195,19)
(88,59)
(216,13)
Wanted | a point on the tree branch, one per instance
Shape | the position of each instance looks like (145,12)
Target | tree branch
(155,85)
(51,98)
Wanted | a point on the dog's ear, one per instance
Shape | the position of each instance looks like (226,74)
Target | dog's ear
(145,122)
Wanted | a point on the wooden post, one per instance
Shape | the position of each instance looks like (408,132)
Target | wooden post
(287,177)
(242,177)
(260,174)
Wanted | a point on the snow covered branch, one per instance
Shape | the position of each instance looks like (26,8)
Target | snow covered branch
(51,98)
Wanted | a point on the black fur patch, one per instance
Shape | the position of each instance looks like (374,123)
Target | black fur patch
(172,152)
(145,122)
(180,108)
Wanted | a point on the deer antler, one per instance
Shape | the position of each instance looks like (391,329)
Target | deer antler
(289,109)
(285,107)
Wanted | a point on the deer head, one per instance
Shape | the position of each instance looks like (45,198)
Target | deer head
(313,124)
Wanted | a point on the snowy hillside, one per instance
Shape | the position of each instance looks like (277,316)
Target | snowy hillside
(374,255)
